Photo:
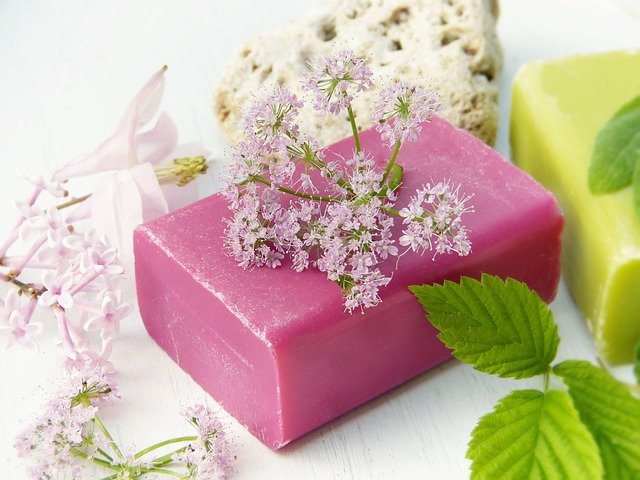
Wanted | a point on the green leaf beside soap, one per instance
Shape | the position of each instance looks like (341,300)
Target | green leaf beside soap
(616,153)
(500,327)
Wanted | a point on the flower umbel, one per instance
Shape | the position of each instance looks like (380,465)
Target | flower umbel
(335,80)
(336,215)
(69,438)
(400,110)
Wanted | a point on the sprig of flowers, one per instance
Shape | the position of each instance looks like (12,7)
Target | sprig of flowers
(69,437)
(53,261)
(289,200)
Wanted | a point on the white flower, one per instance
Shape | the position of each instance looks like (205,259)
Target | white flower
(20,331)
(112,311)
(57,290)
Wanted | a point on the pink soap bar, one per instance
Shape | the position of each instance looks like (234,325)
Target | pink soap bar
(276,348)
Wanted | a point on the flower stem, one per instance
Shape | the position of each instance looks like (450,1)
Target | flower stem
(104,454)
(164,471)
(319,198)
(13,236)
(97,461)
(84,282)
(167,458)
(98,423)
(63,328)
(392,160)
(29,255)
(73,201)
(354,129)
(164,443)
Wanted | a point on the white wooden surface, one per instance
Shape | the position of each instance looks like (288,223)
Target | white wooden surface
(67,70)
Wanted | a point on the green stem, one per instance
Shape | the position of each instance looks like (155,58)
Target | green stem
(547,379)
(97,461)
(319,198)
(166,458)
(104,454)
(164,471)
(109,438)
(164,443)
(390,211)
(354,129)
(392,160)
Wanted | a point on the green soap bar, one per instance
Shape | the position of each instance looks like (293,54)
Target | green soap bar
(558,107)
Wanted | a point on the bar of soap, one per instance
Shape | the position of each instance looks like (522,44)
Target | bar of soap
(557,110)
(276,348)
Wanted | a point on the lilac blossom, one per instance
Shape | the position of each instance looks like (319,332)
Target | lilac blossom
(73,270)
(20,330)
(400,110)
(336,79)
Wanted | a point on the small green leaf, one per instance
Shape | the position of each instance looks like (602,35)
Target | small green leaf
(636,364)
(499,327)
(610,412)
(533,435)
(616,150)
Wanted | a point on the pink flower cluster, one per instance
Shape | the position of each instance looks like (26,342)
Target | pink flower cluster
(68,438)
(208,457)
(335,81)
(77,277)
(73,275)
(400,110)
(335,215)
(65,429)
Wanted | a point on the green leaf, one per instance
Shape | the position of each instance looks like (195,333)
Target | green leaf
(616,150)
(499,327)
(533,435)
(610,412)
(636,363)
(636,191)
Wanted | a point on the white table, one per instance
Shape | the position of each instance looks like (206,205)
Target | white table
(67,70)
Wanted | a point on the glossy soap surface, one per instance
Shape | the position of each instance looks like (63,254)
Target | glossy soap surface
(557,110)
(276,349)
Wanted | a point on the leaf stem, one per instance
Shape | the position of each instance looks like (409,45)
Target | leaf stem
(158,445)
(392,160)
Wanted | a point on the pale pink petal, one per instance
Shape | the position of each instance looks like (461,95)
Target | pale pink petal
(94,323)
(153,201)
(28,343)
(155,145)
(113,154)
(33,329)
(117,152)
(65,300)
(146,103)
(178,197)
(46,299)
(117,210)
